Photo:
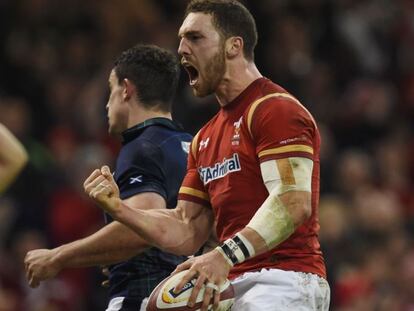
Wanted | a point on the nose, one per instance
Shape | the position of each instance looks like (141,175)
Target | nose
(183,48)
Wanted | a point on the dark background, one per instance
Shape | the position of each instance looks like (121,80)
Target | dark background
(351,63)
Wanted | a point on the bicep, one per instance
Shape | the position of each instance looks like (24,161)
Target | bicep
(291,180)
(287,174)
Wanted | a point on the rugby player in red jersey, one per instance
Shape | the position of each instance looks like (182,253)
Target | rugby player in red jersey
(253,170)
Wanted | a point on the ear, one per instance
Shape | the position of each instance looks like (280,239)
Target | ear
(129,89)
(234,47)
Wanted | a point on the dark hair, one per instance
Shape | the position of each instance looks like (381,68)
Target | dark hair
(153,70)
(230,18)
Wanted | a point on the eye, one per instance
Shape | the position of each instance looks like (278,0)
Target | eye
(194,37)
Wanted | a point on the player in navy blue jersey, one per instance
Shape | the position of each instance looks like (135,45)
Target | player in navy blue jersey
(149,172)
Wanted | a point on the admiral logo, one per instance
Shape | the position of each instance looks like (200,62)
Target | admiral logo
(219,170)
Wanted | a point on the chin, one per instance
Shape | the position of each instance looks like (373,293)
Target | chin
(112,130)
(197,93)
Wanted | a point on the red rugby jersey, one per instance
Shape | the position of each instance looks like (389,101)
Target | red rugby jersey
(263,123)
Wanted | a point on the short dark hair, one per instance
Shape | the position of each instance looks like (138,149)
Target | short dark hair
(231,18)
(153,70)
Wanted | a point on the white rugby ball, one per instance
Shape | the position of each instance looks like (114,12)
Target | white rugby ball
(164,298)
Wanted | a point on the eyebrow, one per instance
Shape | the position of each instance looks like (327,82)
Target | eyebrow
(189,33)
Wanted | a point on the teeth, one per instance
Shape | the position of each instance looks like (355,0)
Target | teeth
(192,73)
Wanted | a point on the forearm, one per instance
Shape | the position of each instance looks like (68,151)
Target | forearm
(274,222)
(113,243)
(167,229)
(180,231)
(289,182)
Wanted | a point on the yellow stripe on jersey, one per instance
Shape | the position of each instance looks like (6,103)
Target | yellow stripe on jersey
(194,192)
(286,149)
(258,102)
(254,106)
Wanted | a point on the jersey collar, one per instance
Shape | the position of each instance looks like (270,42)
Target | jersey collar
(244,97)
(136,130)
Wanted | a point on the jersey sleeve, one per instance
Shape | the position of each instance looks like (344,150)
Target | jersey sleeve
(139,169)
(192,188)
(281,128)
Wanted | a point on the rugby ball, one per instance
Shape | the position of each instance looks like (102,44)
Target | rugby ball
(164,298)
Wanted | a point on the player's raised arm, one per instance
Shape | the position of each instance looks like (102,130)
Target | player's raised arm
(13,157)
(181,231)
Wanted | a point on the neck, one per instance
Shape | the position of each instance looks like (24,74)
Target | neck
(139,114)
(239,75)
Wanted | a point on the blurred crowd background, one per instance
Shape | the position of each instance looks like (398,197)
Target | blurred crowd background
(351,63)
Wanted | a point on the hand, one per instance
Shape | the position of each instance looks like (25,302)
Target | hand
(208,268)
(101,187)
(40,265)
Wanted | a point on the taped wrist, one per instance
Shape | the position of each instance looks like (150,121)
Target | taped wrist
(236,250)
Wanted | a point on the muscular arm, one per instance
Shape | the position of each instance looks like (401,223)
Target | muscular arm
(286,208)
(298,208)
(180,231)
(13,157)
(113,243)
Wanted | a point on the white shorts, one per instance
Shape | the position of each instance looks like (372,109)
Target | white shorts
(279,290)
(116,304)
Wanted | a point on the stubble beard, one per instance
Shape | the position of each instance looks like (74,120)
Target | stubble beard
(215,70)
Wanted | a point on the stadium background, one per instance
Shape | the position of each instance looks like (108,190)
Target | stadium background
(350,62)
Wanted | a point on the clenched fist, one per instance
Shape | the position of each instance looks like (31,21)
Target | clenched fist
(101,187)
(41,265)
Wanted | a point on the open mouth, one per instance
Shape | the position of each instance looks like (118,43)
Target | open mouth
(192,73)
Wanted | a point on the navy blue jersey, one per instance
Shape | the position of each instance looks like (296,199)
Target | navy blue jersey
(153,158)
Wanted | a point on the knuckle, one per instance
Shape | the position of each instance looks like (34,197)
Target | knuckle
(198,286)
(193,269)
